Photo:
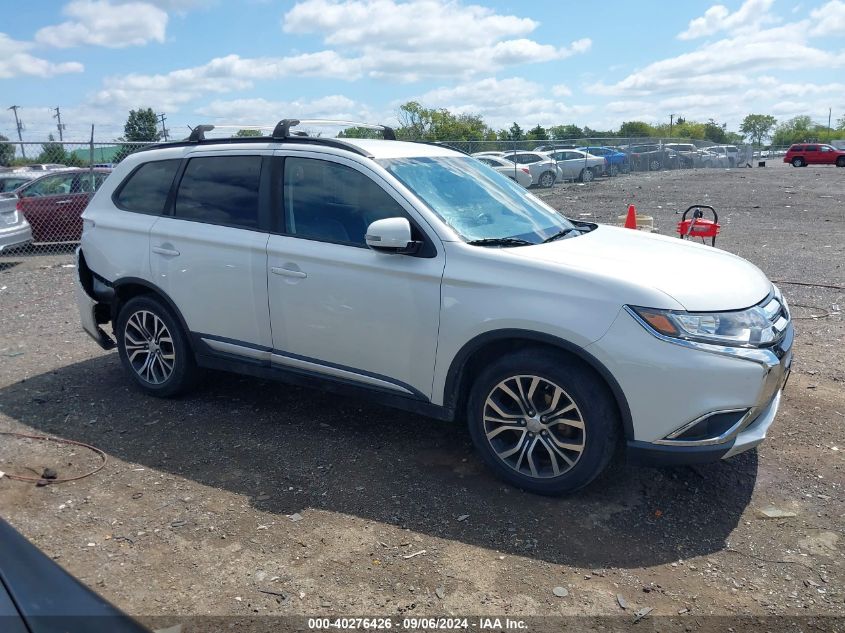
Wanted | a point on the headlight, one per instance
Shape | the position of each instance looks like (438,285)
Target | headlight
(755,327)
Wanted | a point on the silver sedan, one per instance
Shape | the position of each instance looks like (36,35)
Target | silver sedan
(519,173)
(578,165)
(543,169)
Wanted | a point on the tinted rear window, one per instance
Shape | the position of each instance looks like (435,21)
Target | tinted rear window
(220,190)
(146,189)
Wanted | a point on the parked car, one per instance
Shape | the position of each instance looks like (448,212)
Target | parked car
(46,167)
(15,231)
(544,170)
(37,595)
(577,165)
(689,155)
(490,153)
(11,180)
(519,173)
(617,161)
(652,157)
(731,152)
(803,154)
(415,275)
(53,203)
(714,159)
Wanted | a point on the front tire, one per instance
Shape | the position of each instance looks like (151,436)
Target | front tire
(840,162)
(654,165)
(543,422)
(154,349)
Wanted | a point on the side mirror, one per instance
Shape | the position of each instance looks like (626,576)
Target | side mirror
(391,235)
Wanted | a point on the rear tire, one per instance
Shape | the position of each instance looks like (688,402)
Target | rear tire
(556,438)
(154,349)
(614,171)
(654,165)
(547,179)
(797,162)
(586,175)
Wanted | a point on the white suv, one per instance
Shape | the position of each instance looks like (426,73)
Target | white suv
(425,279)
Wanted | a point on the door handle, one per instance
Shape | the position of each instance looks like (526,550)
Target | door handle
(287,272)
(172,252)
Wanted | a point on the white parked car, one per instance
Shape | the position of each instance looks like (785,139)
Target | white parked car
(416,275)
(730,152)
(544,170)
(577,165)
(519,173)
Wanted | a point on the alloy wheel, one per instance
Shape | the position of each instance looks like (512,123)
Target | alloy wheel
(534,426)
(149,347)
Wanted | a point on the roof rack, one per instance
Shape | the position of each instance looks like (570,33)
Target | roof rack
(282,129)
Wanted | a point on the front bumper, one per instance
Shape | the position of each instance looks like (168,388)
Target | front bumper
(666,384)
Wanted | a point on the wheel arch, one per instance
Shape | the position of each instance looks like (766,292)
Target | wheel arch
(127,288)
(472,356)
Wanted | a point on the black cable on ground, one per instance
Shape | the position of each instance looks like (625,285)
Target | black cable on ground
(56,480)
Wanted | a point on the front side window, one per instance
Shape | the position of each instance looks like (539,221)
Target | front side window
(826,148)
(330,202)
(477,203)
(146,189)
(220,190)
(50,186)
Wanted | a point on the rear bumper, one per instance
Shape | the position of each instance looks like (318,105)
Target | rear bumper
(88,314)
(16,235)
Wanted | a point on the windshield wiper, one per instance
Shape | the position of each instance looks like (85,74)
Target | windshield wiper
(501,241)
(562,233)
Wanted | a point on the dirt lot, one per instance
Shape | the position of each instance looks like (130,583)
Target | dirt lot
(340,507)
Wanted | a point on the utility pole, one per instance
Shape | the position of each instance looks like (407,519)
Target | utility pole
(671,121)
(19,125)
(829,129)
(162,118)
(59,125)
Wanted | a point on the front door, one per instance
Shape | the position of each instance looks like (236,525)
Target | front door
(337,308)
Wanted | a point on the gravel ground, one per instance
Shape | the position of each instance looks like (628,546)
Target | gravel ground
(253,498)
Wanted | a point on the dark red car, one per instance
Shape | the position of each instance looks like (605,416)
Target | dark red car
(803,154)
(54,203)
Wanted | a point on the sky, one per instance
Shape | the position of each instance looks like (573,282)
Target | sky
(539,62)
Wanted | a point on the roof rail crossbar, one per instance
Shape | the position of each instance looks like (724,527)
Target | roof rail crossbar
(283,127)
(198,133)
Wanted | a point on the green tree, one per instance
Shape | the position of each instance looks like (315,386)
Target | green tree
(7,152)
(515,132)
(52,152)
(538,133)
(757,127)
(416,122)
(715,132)
(630,129)
(247,133)
(141,126)
(359,132)
(796,129)
(564,132)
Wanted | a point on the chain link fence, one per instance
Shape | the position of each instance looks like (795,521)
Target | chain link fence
(45,187)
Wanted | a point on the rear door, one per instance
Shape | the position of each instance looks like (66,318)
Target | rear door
(208,252)
(48,205)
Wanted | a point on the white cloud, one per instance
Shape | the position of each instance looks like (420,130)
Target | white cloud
(266,112)
(15,60)
(717,18)
(502,101)
(104,23)
(424,38)
(221,75)
(829,19)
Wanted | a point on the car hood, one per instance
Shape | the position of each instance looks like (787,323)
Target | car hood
(700,278)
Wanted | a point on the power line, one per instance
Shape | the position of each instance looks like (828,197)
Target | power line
(19,125)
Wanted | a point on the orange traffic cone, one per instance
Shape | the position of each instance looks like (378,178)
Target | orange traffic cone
(631,220)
